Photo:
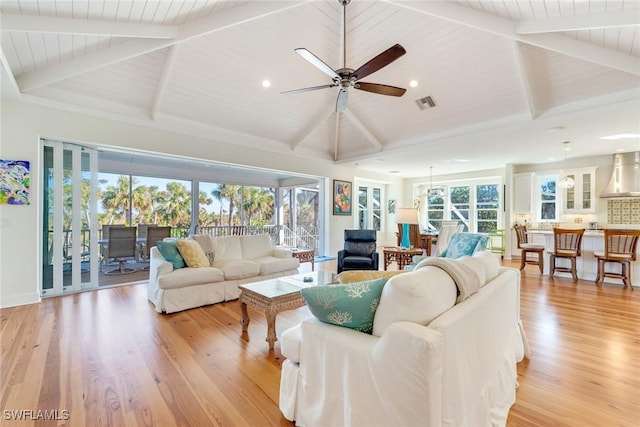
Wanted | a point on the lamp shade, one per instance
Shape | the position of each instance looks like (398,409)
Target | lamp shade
(407,216)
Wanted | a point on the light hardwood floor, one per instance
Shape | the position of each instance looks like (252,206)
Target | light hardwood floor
(109,359)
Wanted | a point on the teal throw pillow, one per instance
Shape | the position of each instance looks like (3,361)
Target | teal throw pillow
(351,305)
(462,244)
(169,251)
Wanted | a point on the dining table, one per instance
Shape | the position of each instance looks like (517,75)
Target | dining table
(427,238)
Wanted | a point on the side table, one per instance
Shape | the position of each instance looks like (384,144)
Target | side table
(402,256)
(304,255)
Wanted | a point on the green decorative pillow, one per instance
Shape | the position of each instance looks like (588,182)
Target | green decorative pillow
(352,305)
(169,251)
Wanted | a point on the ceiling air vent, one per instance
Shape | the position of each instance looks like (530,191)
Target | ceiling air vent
(426,102)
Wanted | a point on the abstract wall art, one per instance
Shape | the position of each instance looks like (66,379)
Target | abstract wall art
(15,178)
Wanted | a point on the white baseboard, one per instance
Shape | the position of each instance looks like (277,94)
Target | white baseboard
(22,299)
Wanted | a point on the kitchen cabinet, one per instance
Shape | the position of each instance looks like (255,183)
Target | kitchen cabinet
(522,184)
(581,197)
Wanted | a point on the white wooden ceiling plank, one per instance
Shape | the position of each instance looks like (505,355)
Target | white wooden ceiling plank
(118,53)
(161,11)
(136,11)
(22,49)
(610,19)
(311,129)
(502,27)
(52,24)
(80,9)
(363,129)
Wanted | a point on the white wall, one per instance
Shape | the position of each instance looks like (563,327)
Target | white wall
(24,124)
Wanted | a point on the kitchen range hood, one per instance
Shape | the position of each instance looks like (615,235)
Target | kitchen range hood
(625,179)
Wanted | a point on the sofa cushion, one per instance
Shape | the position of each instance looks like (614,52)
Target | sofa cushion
(169,250)
(190,276)
(271,265)
(226,248)
(352,305)
(192,253)
(234,269)
(418,296)
(256,246)
(204,240)
(465,244)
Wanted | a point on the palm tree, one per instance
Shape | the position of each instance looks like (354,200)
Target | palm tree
(258,202)
(175,206)
(228,192)
(115,200)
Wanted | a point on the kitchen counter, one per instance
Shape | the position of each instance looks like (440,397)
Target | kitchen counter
(587,266)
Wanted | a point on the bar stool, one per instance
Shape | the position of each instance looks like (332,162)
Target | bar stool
(567,243)
(619,247)
(526,247)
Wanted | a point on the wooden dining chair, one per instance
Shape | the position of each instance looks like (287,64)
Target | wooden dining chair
(527,248)
(619,248)
(567,244)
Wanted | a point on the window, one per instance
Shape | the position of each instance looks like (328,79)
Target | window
(547,198)
(369,207)
(435,211)
(475,203)
(459,207)
(487,208)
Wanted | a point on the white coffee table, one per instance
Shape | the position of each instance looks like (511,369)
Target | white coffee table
(275,295)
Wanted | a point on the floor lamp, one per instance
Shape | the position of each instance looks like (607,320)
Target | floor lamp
(406,217)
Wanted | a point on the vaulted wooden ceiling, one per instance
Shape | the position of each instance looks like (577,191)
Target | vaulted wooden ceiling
(501,73)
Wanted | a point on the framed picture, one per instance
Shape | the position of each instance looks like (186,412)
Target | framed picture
(15,177)
(342,197)
(391,206)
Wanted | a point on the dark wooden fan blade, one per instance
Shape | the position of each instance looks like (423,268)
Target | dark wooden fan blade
(341,102)
(317,62)
(308,89)
(381,89)
(382,60)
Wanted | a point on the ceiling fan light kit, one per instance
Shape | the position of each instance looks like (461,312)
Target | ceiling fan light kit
(346,78)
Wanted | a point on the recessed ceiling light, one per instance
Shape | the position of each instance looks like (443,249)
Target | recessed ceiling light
(460,160)
(619,150)
(394,171)
(413,83)
(266,83)
(621,136)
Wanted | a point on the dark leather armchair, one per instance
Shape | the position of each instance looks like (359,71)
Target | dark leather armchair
(359,251)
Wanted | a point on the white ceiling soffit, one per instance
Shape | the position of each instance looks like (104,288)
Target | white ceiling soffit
(197,67)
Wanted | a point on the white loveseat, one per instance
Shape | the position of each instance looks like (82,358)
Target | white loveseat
(234,260)
(430,361)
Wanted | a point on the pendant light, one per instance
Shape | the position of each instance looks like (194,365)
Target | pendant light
(433,192)
(566,182)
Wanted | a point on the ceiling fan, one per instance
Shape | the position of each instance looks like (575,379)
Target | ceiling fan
(347,77)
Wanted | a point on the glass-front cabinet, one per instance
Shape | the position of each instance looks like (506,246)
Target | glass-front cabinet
(581,197)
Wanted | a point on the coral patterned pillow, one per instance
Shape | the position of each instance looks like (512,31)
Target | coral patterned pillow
(192,253)
(352,305)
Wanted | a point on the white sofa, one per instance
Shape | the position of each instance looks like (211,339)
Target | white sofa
(234,260)
(430,361)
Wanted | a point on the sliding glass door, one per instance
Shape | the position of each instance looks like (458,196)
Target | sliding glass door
(69,245)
